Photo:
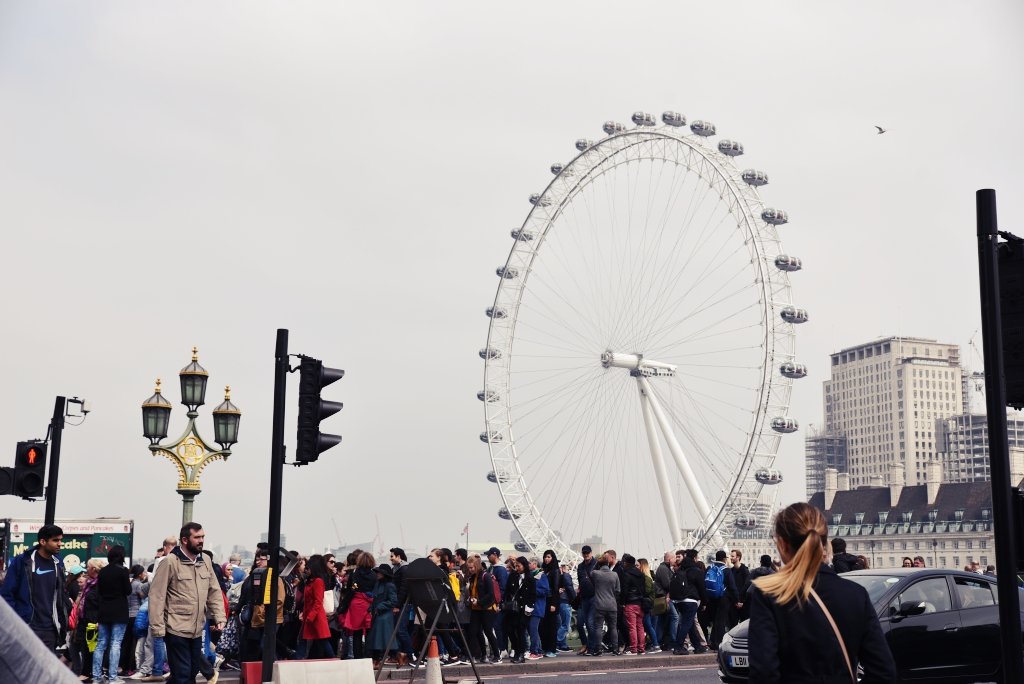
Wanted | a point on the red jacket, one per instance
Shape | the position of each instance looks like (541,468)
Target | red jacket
(314,623)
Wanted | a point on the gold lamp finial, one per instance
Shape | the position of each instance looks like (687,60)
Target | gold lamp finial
(227,392)
(158,385)
(195,353)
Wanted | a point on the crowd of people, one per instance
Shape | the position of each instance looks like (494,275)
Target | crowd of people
(184,614)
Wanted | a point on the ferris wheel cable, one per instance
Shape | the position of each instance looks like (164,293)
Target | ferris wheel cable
(718,381)
(677,276)
(526,438)
(730,331)
(520,338)
(660,345)
(692,335)
(572,344)
(544,401)
(556,320)
(586,319)
(513,390)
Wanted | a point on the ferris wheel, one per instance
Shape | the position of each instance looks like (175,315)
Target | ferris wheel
(640,350)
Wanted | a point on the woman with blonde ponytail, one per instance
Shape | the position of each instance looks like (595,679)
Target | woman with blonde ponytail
(807,624)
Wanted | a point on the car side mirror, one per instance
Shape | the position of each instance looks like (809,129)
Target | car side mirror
(908,608)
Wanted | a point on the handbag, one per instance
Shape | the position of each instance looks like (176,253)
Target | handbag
(660,606)
(330,603)
(92,636)
(842,644)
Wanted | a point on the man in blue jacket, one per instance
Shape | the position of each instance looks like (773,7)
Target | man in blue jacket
(34,587)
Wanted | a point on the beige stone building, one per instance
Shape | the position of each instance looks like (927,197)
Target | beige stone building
(885,399)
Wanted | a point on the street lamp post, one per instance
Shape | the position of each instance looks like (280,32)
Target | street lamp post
(190,454)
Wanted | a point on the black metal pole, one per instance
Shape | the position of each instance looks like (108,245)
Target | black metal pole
(276,488)
(999,452)
(56,429)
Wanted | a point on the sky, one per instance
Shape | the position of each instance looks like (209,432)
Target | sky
(203,173)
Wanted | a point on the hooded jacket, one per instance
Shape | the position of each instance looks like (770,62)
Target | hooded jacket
(183,594)
(17,588)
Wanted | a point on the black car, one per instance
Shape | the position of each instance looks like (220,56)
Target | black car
(942,626)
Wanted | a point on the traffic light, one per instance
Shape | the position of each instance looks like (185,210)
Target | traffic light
(313,377)
(1011,304)
(6,481)
(30,469)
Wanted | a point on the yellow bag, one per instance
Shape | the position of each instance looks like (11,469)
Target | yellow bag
(92,636)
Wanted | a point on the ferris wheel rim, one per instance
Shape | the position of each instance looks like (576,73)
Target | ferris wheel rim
(774,290)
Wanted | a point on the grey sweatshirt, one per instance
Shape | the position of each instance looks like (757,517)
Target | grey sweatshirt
(606,589)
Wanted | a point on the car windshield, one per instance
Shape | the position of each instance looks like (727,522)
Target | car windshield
(875,584)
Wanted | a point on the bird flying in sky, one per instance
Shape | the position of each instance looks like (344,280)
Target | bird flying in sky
(880,130)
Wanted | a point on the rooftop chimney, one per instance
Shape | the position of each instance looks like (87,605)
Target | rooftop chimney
(843,482)
(831,484)
(875,481)
(896,482)
(932,480)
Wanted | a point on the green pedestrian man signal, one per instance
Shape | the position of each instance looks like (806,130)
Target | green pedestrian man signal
(313,377)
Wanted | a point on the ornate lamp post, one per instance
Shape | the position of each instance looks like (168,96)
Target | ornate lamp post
(190,454)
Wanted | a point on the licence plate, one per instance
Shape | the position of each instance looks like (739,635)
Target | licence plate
(738,661)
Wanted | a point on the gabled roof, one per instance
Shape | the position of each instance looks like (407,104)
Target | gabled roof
(971,497)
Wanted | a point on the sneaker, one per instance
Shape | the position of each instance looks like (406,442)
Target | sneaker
(594,654)
(534,656)
(550,654)
(697,651)
(218,661)
(214,678)
(115,680)
(494,661)
(449,662)
(564,649)
(139,675)
(654,649)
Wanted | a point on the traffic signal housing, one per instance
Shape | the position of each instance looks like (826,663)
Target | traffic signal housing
(30,469)
(313,377)
(6,481)
(1011,304)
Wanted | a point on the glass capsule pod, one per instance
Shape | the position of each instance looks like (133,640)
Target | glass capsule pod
(522,234)
(730,148)
(490,353)
(491,437)
(612,127)
(784,262)
(768,476)
(507,272)
(785,424)
(489,396)
(745,521)
(506,514)
(493,477)
(793,370)
(755,177)
(556,168)
(673,119)
(704,129)
(583,144)
(522,547)
(791,314)
(776,217)
(496,312)
(537,199)
(643,119)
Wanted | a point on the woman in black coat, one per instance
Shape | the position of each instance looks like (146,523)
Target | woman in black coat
(113,586)
(549,624)
(792,639)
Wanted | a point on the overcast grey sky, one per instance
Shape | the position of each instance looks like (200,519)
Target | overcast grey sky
(202,173)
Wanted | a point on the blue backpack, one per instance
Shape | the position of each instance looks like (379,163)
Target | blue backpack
(714,580)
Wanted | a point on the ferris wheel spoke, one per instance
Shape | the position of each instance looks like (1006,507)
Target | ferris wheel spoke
(532,433)
(527,408)
(658,342)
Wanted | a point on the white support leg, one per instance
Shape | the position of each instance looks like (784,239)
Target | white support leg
(671,515)
(703,509)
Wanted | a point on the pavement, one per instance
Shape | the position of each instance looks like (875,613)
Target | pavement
(563,664)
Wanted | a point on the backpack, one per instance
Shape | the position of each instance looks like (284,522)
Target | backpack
(714,580)
(677,585)
(497,588)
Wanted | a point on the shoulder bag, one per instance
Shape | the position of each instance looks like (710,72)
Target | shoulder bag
(839,637)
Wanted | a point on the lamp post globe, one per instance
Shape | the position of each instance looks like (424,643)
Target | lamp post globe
(156,414)
(193,379)
(225,422)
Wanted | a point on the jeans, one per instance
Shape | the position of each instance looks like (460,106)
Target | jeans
(668,622)
(611,617)
(535,634)
(585,620)
(687,624)
(565,620)
(110,636)
(651,627)
(404,640)
(635,626)
(184,656)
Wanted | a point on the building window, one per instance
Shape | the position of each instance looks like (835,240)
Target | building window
(859,518)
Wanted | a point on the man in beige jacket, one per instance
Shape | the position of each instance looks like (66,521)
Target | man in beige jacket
(183,595)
